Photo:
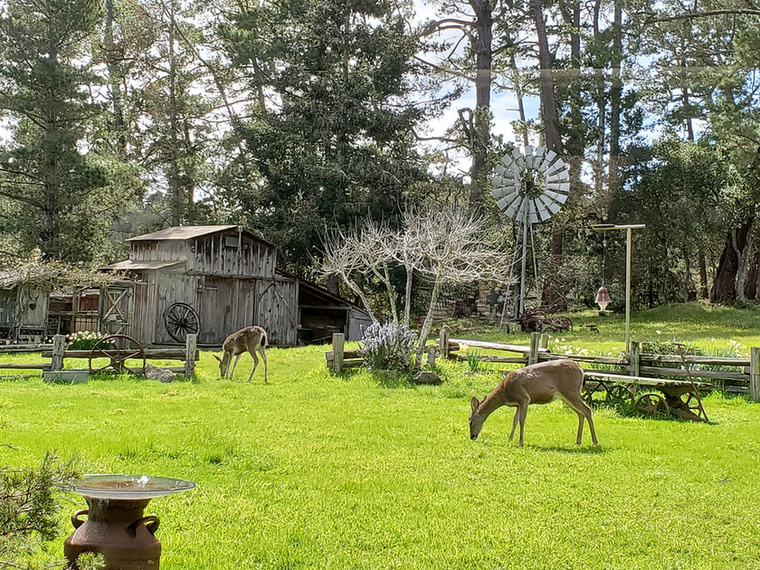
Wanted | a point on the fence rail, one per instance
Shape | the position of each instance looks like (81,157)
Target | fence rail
(743,377)
(57,354)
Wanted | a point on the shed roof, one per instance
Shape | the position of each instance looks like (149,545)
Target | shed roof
(129,265)
(189,232)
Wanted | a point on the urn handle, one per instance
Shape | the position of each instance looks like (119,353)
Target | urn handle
(76,521)
(151,522)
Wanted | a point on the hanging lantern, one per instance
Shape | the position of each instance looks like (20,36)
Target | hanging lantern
(603,298)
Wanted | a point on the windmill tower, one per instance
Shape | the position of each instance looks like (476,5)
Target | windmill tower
(530,186)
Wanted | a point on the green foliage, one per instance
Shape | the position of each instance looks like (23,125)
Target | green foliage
(50,183)
(341,143)
(30,512)
(473,360)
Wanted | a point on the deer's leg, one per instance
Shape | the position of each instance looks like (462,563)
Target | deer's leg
(514,423)
(237,359)
(255,364)
(263,352)
(523,409)
(584,412)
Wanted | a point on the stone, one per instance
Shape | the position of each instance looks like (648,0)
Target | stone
(426,377)
(161,374)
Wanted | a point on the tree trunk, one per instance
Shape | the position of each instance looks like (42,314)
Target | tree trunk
(547,96)
(482,121)
(616,95)
(114,80)
(174,183)
(703,292)
(724,287)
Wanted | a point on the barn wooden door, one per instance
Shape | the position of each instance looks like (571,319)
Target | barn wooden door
(115,309)
(277,310)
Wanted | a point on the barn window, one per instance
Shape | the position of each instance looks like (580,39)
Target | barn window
(231,241)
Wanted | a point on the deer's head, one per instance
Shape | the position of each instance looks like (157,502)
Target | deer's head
(224,364)
(476,419)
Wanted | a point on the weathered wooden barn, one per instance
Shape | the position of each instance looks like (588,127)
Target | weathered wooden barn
(214,280)
(23,312)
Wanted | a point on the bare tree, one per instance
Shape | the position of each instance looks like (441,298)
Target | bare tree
(442,246)
(449,246)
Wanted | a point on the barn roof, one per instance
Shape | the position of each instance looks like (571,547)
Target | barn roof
(190,232)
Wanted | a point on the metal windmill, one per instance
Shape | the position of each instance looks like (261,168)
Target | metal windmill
(530,186)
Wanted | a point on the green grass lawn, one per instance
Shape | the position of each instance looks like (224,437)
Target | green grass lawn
(322,471)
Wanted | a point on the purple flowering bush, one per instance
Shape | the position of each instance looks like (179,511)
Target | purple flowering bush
(388,347)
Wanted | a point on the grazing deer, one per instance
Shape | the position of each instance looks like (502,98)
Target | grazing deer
(249,339)
(535,384)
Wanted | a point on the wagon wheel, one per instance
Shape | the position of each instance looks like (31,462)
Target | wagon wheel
(118,348)
(557,324)
(619,395)
(688,408)
(181,320)
(653,406)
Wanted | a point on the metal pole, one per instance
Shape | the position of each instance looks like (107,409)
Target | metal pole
(524,259)
(628,292)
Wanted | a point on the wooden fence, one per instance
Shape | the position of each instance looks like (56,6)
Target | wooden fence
(730,374)
(57,354)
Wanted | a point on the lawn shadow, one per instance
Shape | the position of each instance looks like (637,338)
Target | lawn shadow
(576,449)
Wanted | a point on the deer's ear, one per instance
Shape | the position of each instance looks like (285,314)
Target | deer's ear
(215,356)
(474,404)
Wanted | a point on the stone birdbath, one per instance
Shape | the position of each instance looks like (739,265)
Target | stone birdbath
(116,525)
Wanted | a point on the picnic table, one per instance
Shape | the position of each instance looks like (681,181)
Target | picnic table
(679,397)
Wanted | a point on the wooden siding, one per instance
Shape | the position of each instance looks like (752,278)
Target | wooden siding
(226,305)
(173,287)
(144,308)
(7,307)
(214,254)
(277,310)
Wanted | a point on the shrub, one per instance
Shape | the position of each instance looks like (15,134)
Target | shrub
(388,347)
(30,516)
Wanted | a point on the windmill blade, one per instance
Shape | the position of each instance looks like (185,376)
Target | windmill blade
(559,186)
(514,209)
(500,170)
(556,167)
(533,212)
(528,153)
(543,205)
(556,196)
(505,195)
(509,204)
(519,159)
(501,191)
(507,161)
(560,176)
(549,157)
(550,205)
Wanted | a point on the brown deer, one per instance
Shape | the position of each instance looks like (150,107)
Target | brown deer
(535,384)
(249,339)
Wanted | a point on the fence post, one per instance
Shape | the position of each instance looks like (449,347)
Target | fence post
(339,340)
(634,360)
(191,344)
(544,342)
(754,373)
(535,340)
(59,347)
(443,342)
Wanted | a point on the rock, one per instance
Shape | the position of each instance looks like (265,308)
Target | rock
(156,373)
(426,377)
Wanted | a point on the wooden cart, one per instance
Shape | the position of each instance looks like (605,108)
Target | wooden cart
(679,397)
